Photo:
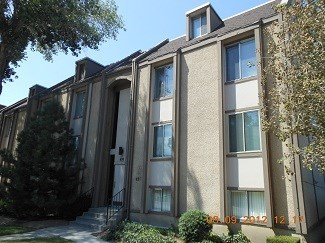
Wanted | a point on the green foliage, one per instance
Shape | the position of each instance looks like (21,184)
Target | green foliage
(282,239)
(10,230)
(50,26)
(235,238)
(214,238)
(130,232)
(295,79)
(40,180)
(193,226)
(42,240)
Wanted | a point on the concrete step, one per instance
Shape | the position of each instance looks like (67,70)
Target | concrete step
(91,220)
(98,210)
(92,227)
(95,219)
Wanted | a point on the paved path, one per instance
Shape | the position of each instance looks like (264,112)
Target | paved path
(71,232)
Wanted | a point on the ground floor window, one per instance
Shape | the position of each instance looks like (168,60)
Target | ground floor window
(160,199)
(246,203)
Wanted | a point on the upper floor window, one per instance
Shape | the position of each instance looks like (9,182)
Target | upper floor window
(241,60)
(244,132)
(199,25)
(80,104)
(8,126)
(82,71)
(162,144)
(164,81)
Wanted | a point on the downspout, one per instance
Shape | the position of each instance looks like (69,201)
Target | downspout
(177,131)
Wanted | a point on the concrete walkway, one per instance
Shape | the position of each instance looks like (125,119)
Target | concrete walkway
(71,232)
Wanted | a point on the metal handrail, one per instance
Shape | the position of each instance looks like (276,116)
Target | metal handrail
(114,204)
(81,204)
(84,200)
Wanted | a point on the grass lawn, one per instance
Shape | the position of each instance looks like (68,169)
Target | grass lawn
(44,240)
(9,230)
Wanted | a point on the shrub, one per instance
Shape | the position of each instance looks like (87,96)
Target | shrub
(193,226)
(235,238)
(129,232)
(214,238)
(282,239)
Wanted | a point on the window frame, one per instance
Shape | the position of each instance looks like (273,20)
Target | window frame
(153,141)
(239,43)
(77,116)
(241,219)
(81,75)
(155,97)
(75,159)
(243,127)
(8,126)
(199,16)
(162,189)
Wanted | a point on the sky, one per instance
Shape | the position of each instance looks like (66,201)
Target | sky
(147,23)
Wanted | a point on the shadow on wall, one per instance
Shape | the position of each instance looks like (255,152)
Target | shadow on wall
(188,181)
(194,188)
(183,134)
(139,169)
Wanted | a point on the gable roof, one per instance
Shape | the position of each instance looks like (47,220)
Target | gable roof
(230,24)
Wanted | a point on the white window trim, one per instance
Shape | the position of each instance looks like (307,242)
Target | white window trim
(199,16)
(153,141)
(243,124)
(155,83)
(161,188)
(229,205)
(239,51)
(76,103)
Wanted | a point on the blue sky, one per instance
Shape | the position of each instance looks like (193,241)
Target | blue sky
(147,23)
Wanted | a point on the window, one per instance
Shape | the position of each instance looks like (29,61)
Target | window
(160,199)
(199,25)
(76,145)
(244,132)
(241,60)
(81,71)
(246,203)
(8,126)
(164,81)
(162,144)
(80,103)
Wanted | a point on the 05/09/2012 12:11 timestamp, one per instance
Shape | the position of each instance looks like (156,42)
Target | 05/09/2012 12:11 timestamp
(253,219)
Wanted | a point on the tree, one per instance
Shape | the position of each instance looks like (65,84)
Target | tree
(295,100)
(40,180)
(50,26)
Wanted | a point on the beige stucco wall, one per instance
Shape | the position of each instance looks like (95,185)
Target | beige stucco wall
(138,170)
(90,134)
(199,138)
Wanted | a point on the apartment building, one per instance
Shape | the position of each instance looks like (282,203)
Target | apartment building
(178,127)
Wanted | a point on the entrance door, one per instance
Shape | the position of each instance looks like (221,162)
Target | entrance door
(119,152)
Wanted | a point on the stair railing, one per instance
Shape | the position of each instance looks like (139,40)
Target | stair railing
(114,204)
(81,204)
(86,199)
